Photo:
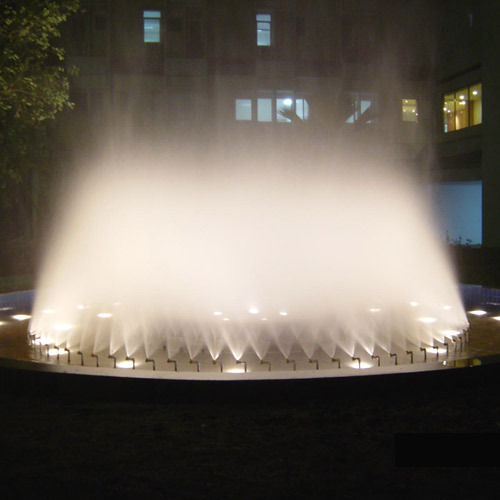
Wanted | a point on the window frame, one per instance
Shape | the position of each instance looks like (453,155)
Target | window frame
(451,103)
(409,102)
(150,15)
(271,30)
(272,115)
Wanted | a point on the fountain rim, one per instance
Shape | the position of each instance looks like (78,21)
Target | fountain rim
(434,365)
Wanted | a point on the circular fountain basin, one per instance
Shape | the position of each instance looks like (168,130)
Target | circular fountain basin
(479,347)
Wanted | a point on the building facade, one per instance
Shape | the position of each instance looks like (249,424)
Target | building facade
(267,73)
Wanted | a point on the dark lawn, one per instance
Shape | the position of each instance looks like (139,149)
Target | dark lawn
(326,447)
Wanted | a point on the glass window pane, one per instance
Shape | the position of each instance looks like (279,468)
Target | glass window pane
(263,30)
(475,96)
(264,110)
(151,30)
(263,38)
(461,109)
(409,110)
(449,112)
(152,14)
(283,105)
(302,109)
(243,109)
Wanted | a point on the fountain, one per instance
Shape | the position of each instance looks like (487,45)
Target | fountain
(251,264)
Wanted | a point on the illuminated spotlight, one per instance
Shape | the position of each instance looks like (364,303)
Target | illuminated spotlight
(497,318)
(48,311)
(447,308)
(478,312)
(81,307)
(225,319)
(129,363)
(253,310)
(217,313)
(54,351)
(236,370)
(362,365)
(21,317)
(283,313)
(375,309)
(6,308)
(104,315)
(287,101)
(263,319)
(413,303)
(427,320)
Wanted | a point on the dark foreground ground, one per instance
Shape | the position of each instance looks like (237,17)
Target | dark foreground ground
(325,443)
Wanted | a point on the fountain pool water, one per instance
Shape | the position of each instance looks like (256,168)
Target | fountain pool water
(245,257)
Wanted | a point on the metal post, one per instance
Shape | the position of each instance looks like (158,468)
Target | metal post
(425,353)
(93,355)
(334,360)
(174,362)
(148,360)
(395,356)
(81,354)
(244,363)
(114,360)
(197,363)
(437,351)
(293,363)
(129,358)
(214,362)
(410,353)
(69,354)
(467,335)
(374,356)
(316,362)
(262,362)
(356,358)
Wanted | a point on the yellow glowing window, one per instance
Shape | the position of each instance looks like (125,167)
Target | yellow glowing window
(409,111)
(462,108)
(475,107)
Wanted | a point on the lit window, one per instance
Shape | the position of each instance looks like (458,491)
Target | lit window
(475,107)
(409,112)
(284,106)
(243,109)
(360,108)
(282,109)
(302,109)
(151,26)
(263,30)
(264,110)
(462,108)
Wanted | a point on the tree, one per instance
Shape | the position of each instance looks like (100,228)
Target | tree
(33,81)
(34,87)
